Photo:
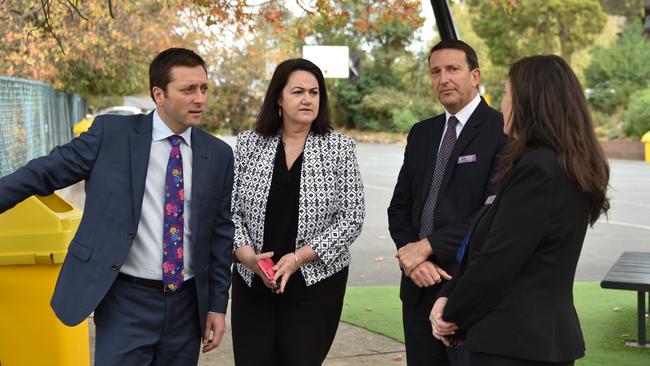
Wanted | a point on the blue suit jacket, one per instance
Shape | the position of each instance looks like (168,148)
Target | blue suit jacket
(112,158)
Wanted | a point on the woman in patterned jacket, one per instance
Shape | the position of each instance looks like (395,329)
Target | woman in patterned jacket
(297,199)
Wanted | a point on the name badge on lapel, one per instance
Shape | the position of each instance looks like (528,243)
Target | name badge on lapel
(467,159)
(490,199)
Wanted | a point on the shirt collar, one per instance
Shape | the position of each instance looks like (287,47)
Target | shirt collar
(161,131)
(464,114)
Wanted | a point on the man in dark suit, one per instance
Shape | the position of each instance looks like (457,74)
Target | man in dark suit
(153,251)
(444,180)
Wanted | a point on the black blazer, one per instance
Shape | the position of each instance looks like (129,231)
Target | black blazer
(463,190)
(514,296)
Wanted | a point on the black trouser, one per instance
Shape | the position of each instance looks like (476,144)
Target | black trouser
(485,359)
(422,348)
(294,328)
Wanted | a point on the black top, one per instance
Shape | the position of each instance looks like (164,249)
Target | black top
(513,295)
(281,220)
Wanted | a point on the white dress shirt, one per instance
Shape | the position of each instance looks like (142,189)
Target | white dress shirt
(145,258)
(462,116)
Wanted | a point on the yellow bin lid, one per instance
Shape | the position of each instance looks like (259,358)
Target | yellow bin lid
(646,138)
(38,230)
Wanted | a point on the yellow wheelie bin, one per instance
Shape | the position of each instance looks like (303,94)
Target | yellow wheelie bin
(646,141)
(34,238)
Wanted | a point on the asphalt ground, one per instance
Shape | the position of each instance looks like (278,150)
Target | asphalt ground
(626,227)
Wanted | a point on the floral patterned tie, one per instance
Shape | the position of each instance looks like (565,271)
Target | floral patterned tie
(172,265)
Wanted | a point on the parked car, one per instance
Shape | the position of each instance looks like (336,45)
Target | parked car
(122,110)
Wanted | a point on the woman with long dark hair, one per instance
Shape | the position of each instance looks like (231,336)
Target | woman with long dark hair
(512,303)
(298,200)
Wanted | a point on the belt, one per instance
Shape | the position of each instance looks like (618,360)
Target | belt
(153,284)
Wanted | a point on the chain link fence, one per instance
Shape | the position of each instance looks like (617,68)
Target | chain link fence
(34,118)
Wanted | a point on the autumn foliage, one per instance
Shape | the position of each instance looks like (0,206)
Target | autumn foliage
(98,48)
(84,49)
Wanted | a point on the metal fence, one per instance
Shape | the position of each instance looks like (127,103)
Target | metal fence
(34,118)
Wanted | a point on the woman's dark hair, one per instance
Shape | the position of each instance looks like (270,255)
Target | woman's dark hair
(268,121)
(549,109)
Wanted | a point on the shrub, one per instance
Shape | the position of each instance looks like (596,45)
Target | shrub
(637,118)
(380,104)
(618,71)
(403,119)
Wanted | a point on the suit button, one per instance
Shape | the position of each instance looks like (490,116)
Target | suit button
(131,236)
(114,268)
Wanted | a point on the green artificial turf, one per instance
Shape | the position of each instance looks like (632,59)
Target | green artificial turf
(607,317)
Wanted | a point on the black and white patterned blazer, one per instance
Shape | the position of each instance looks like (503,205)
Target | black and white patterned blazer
(331,203)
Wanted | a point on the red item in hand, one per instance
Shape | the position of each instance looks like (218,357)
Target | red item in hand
(266,265)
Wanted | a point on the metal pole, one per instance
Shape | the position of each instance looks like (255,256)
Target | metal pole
(641,318)
(444,22)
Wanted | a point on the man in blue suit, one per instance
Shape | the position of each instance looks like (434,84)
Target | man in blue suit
(153,251)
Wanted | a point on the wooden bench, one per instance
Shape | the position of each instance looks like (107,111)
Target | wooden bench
(632,272)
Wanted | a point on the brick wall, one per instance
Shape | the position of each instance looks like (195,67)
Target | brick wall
(620,149)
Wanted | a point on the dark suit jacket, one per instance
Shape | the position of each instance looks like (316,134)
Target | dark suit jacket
(514,296)
(112,158)
(463,190)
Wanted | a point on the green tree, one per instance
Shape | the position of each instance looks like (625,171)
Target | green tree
(243,71)
(626,8)
(504,31)
(637,117)
(240,74)
(380,32)
(618,71)
(492,76)
(513,29)
(349,109)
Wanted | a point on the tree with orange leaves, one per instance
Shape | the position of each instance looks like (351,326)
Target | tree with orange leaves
(84,51)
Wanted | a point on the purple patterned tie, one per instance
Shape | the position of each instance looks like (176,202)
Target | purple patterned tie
(172,266)
(446,147)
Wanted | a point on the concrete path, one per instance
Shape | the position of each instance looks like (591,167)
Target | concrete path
(353,346)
